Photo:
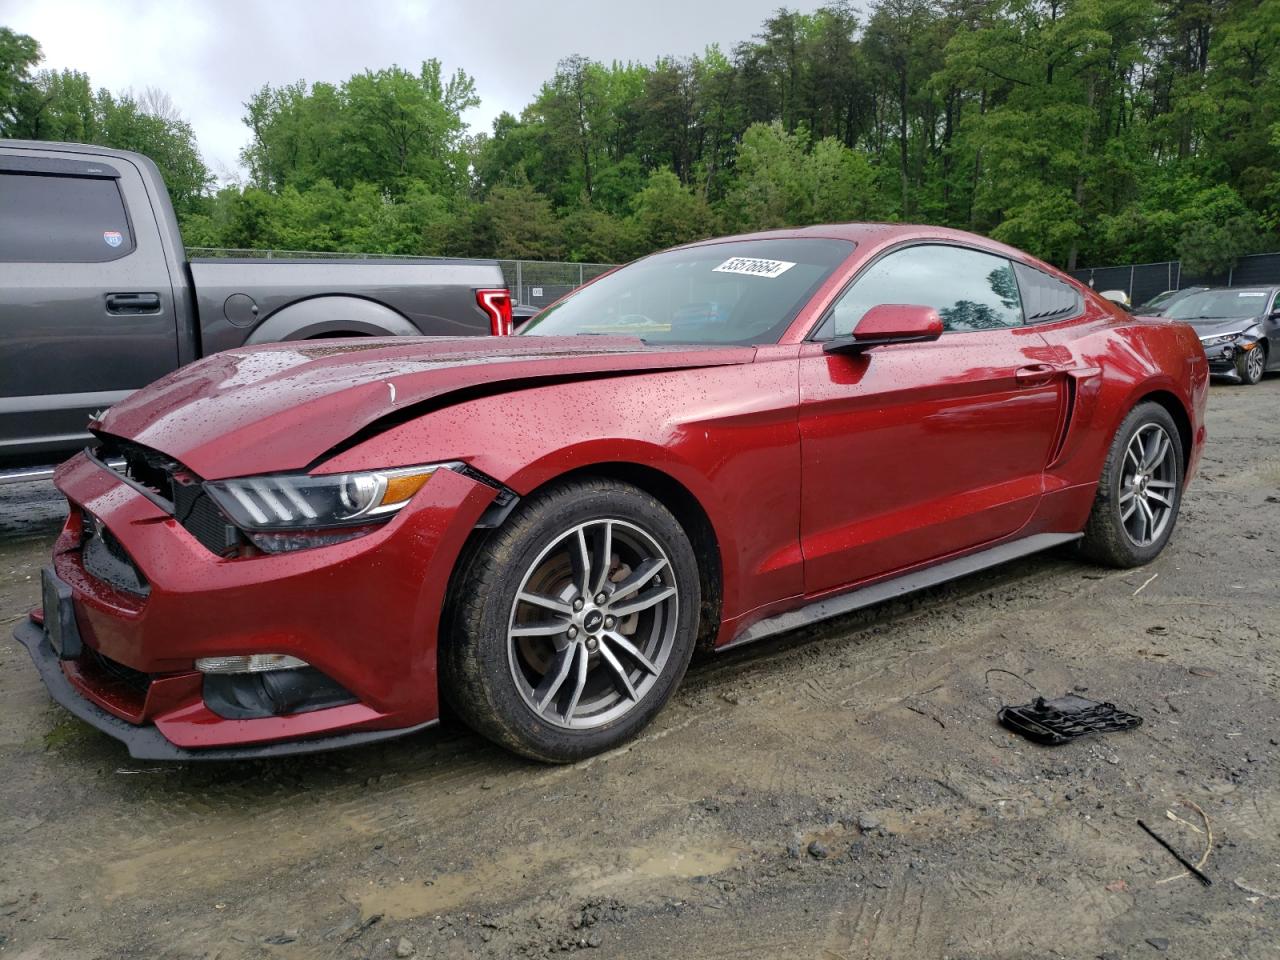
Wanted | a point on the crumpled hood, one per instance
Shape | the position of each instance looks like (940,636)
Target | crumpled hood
(281,406)
(1216,328)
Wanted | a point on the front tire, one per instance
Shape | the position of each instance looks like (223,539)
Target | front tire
(1251,364)
(1139,492)
(570,627)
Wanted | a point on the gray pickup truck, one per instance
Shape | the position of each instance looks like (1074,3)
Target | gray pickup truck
(97,297)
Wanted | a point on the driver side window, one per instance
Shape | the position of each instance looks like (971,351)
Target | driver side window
(969,289)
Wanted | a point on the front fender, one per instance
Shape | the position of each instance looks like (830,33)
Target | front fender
(332,317)
(729,435)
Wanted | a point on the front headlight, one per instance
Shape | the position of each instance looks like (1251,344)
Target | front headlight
(292,511)
(1214,341)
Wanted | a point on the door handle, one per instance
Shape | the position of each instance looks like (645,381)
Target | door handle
(1035,374)
(127,304)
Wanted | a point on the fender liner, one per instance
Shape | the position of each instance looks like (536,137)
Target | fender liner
(332,316)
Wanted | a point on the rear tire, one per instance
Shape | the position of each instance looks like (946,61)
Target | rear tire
(571,625)
(1139,492)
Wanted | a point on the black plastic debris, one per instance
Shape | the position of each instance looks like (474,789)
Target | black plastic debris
(1067,718)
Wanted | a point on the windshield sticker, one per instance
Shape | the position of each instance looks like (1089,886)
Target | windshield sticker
(752,267)
(1252,293)
(113,237)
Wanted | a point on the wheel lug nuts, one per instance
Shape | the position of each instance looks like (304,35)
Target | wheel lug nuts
(592,644)
(577,604)
(609,622)
(573,632)
(600,598)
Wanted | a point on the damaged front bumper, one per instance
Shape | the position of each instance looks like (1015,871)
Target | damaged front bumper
(146,742)
(364,614)
(1223,357)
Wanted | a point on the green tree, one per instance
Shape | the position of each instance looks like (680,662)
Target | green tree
(844,184)
(1211,249)
(772,185)
(520,223)
(669,213)
(899,45)
(399,126)
(387,127)
(1056,141)
(592,235)
(296,135)
(18,54)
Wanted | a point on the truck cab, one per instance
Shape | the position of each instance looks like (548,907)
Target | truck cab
(89,308)
(97,297)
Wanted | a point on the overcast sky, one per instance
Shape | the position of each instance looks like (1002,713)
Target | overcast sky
(209,56)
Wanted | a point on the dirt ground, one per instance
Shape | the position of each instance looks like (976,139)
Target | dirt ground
(842,792)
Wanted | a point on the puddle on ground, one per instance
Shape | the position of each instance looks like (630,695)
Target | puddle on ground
(499,879)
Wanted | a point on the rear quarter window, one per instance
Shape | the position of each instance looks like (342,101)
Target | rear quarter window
(1046,298)
(62,219)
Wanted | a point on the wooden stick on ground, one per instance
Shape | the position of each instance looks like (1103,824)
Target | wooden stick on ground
(1176,855)
(1208,845)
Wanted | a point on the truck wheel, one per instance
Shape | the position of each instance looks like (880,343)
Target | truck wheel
(573,623)
(1139,492)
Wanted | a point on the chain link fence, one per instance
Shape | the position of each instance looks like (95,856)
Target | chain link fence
(1142,281)
(532,282)
(540,282)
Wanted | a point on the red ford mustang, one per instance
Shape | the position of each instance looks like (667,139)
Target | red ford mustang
(302,546)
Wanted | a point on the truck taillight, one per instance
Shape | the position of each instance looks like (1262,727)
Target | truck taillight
(497,304)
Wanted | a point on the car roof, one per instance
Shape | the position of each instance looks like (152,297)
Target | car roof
(860,232)
(880,235)
(1259,288)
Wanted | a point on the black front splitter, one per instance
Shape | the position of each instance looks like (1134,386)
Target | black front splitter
(148,743)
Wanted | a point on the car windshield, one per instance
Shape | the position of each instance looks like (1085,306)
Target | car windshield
(1219,305)
(743,292)
(1160,300)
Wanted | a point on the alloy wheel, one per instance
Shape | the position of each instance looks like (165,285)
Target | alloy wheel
(593,624)
(1253,364)
(1147,485)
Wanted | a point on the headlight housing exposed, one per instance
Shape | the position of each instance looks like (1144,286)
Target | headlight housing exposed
(292,511)
(1224,338)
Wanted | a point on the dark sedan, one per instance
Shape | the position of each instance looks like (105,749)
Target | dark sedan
(1162,303)
(1239,329)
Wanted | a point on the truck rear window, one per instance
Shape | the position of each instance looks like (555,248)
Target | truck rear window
(59,219)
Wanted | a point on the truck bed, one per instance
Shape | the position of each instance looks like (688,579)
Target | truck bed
(435,297)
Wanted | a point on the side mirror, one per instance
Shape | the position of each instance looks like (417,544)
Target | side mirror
(889,323)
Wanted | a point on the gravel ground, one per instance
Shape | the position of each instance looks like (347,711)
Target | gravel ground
(839,793)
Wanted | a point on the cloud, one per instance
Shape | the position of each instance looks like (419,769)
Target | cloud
(210,56)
